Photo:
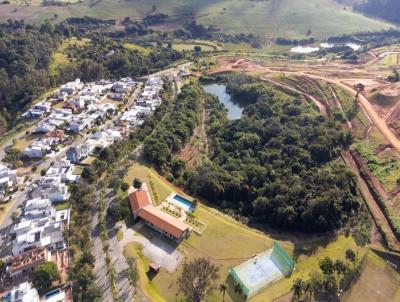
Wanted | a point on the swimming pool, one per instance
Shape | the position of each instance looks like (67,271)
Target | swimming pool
(182,202)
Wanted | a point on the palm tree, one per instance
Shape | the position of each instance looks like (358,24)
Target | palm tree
(238,290)
(297,288)
(307,290)
(222,289)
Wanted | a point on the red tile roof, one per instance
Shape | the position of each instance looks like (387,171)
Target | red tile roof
(163,221)
(138,200)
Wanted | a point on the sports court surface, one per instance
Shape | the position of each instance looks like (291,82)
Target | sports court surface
(262,270)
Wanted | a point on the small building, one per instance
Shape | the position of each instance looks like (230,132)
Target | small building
(8,179)
(24,292)
(154,268)
(36,150)
(155,218)
(44,127)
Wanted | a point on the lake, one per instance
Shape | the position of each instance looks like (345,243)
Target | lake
(235,106)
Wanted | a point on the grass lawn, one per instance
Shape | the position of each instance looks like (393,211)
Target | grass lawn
(62,206)
(147,287)
(144,172)
(4,208)
(378,282)
(120,235)
(89,160)
(228,243)
(60,58)
(389,61)
(22,144)
(77,170)
(190,46)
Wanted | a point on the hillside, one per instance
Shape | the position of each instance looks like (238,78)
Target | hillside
(385,9)
(272,18)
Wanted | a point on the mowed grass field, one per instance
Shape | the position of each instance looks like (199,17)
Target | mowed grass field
(274,18)
(378,282)
(228,243)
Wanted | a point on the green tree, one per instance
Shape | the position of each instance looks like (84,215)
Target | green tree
(197,279)
(327,266)
(14,216)
(2,269)
(297,288)
(44,275)
(124,186)
(133,273)
(350,255)
(137,184)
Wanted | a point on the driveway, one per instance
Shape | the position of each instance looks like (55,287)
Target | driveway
(159,250)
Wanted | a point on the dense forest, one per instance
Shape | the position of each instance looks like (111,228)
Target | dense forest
(26,53)
(385,9)
(278,164)
(24,60)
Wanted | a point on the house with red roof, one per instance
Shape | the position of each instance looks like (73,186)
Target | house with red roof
(162,222)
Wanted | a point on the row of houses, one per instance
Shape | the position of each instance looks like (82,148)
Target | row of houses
(39,237)
(38,234)
(147,102)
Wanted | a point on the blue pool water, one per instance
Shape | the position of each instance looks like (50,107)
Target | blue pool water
(182,202)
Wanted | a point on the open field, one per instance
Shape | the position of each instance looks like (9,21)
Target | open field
(378,282)
(391,60)
(283,18)
(228,243)
(60,58)
(138,48)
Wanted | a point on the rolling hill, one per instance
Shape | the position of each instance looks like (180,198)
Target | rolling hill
(268,18)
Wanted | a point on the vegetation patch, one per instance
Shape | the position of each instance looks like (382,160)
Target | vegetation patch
(381,99)
(385,167)
(138,48)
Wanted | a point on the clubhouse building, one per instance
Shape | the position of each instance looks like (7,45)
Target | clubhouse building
(162,222)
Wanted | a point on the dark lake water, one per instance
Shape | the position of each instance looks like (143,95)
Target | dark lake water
(235,107)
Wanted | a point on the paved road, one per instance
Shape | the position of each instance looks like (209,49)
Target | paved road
(100,266)
(121,267)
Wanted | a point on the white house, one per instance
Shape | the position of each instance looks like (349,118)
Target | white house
(39,227)
(24,292)
(8,179)
(52,188)
(76,154)
(71,87)
(44,127)
(43,106)
(36,150)
(62,169)
(121,87)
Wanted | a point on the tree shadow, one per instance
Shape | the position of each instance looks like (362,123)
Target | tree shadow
(310,248)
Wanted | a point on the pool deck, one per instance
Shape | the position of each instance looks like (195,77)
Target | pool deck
(187,208)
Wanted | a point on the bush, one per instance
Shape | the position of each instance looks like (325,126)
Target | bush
(124,187)
(137,184)
(44,276)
